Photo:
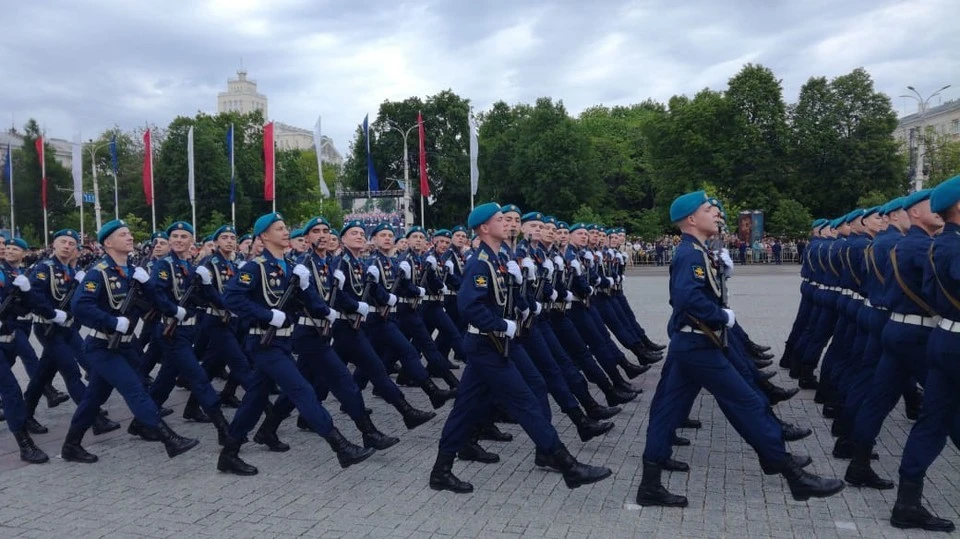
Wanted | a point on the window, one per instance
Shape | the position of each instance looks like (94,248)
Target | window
(955,127)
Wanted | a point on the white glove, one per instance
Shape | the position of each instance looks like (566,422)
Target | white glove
(558,260)
(332,316)
(22,283)
(725,257)
(553,295)
(59,317)
(524,314)
(547,263)
(374,272)
(123,324)
(514,269)
(204,275)
(80,275)
(575,264)
(449,265)
(569,297)
(597,281)
(511,329)
(405,268)
(363,309)
(141,275)
(340,278)
(422,291)
(620,257)
(537,307)
(392,300)
(181,314)
(591,291)
(444,290)
(531,268)
(588,255)
(731,319)
(609,281)
(279,317)
(303,273)
(432,260)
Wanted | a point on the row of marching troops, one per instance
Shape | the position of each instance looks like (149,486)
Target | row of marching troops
(882,287)
(545,296)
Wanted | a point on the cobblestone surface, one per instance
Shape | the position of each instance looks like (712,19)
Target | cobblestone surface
(136,491)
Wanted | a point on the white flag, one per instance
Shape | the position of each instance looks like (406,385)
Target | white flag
(474,152)
(190,176)
(318,144)
(77,171)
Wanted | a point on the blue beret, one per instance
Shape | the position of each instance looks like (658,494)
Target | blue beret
(577,226)
(18,242)
(264,222)
(296,233)
(208,238)
(381,227)
(68,232)
(917,197)
(225,229)
(895,204)
(159,235)
(482,213)
(510,208)
(109,228)
(532,216)
(945,195)
(313,223)
(610,231)
(334,232)
(870,211)
(838,221)
(549,220)
(356,223)
(817,223)
(245,237)
(562,225)
(685,205)
(443,232)
(180,225)
(458,228)
(415,229)
(848,218)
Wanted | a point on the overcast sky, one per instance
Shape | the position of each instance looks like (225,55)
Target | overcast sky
(85,66)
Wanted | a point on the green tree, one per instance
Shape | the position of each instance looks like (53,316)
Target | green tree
(942,158)
(790,220)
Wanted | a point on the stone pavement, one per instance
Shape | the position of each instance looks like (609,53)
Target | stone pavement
(135,491)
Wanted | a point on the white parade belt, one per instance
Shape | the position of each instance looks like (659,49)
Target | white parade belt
(915,320)
(192,321)
(475,331)
(107,336)
(949,325)
(281,332)
(688,329)
(312,322)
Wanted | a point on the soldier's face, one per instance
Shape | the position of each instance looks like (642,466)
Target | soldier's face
(459,239)
(496,227)
(383,240)
(354,239)
(256,247)
(563,235)
(298,244)
(277,235)
(873,223)
(402,244)
(579,237)
(227,242)
(65,248)
(160,248)
(14,254)
(245,246)
(548,233)
(594,236)
(120,241)
(921,216)
(441,244)
(531,230)
(317,236)
(511,223)
(417,241)
(180,241)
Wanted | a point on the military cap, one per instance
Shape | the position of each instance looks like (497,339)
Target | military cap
(245,237)
(577,226)
(549,220)
(685,205)
(381,227)
(414,230)
(356,223)
(296,233)
(225,229)
(917,197)
(817,223)
(562,225)
(443,233)
(458,228)
(870,211)
(68,232)
(510,208)
(482,213)
(180,225)
(335,232)
(109,228)
(893,205)
(314,222)
(265,221)
(945,195)
(855,214)
(18,242)
(531,216)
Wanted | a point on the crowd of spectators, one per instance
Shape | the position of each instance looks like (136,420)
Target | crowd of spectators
(770,250)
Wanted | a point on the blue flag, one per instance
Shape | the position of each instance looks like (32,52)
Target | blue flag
(113,154)
(233,174)
(372,183)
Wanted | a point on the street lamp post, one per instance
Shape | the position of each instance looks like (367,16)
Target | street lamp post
(407,190)
(96,187)
(918,176)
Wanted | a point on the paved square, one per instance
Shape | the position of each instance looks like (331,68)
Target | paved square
(135,491)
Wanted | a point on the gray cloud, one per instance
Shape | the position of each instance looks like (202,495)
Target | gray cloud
(89,66)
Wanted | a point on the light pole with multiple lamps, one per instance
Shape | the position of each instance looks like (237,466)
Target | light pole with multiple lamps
(407,191)
(92,149)
(918,175)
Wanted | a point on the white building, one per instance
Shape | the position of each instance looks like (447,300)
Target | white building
(940,121)
(62,149)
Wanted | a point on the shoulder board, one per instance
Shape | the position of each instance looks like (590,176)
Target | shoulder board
(483,256)
(697,247)
(100,266)
(259,259)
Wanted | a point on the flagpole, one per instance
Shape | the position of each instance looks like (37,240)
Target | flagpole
(422,222)
(9,164)
(43,180)
(96,189)
(81,215)
(116,197)
(191,180)
(233,179)
(153,196)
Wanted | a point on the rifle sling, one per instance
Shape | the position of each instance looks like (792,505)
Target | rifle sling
(906,289)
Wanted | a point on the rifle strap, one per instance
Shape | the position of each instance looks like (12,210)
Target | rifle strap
(906,289)
(706,331)
(872,260)
(953,301)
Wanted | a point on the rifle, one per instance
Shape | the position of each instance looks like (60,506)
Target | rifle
(171,324)
(64,303)
(333,298)
(508,308)
(723,287)
(423,281)
(284,299)
(125,307)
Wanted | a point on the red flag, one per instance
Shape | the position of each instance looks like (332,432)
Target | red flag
(147,168)
(424,182)
(269,163)
(43,172)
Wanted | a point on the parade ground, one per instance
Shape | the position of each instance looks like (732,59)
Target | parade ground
(136,491)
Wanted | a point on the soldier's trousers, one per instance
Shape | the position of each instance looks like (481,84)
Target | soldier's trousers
(612,320)
(24,350)
(814,339)
(323,368)
(59,355)
(448,336)
(627,310)
(353,345)
(601,348)
(574,378)
(539,352)
(860,377)
(411,324)
(573,343)
(390,342)
(152,355)
(111,369)
(450,305)
(223,348)
(13,406)
(180,361)
(803,316)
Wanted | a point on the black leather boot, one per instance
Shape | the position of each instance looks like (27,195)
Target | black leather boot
(791,432)
(587,428)
(228,396)
(490,431)
(230,460)
(447,376)
(267,433)
(404,381)
(221,424)
(438,397)
(373,437)
(616,397)
(302,423)
(632,370)
(758,347)
(909,512)
(576,474)
(691,424)
(193,412)
(173,442)
(103,424)
(621,384)
(33,426)
(137,428)
(412,417)
(652,345)
(652,492)
(776,394)
(762,363)
(799,461)
(843,449)
(913,403)
(860,474)
(671,465)
(766,375)
(442,478)
(645,357)
(29,452)
(805,485)
(594,409)
(473,451)
(808,380)
(164,412)
(54,398)
(348,453)
(786,360)
(679,441)
(72,451)
(543,460)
